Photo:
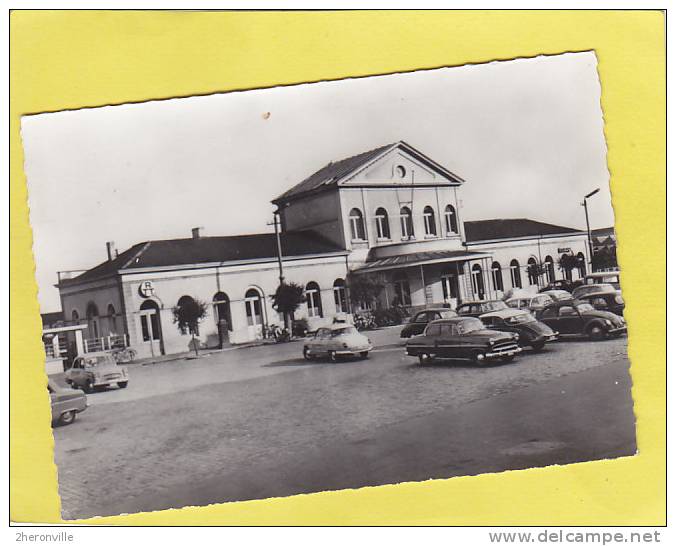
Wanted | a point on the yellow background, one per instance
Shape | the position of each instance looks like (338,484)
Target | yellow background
(62,60)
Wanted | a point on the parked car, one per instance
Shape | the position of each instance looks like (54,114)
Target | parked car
(580,318)
(96,370)
(66,403)
(561,284)
(477,308)
(463,338)
(530,303)
(587,289)
(335,341)
(532,333)
(422,318)
(605,277)
(559,295)
(605,301)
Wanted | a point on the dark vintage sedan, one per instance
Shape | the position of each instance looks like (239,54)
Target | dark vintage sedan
(463,338)
(532,332)
(478,308)
(422,318)
(580,318)
(605,301)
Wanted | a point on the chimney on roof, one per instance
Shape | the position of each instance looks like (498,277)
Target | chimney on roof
(196,232)
(112,252)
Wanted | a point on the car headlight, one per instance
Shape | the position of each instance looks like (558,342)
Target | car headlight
(516,337)
(608,323)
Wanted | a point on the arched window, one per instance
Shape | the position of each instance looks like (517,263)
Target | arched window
(551,273)
(150,320)
(406,219)
(254,309)
(93,319)
(451,220)
(581,264)
(532,271)
(75,316)
(221,304)
(478,281)
(430,222)
(112,318)
(382,224)
(402,289)
(313,298)
(496,273)
(515,273)
(340,296)
(357,225)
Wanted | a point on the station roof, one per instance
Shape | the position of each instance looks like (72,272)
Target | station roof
(513,228)
(418,258)
(208,250)
(332,173)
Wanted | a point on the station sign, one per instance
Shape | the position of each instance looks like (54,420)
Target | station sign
(146,289)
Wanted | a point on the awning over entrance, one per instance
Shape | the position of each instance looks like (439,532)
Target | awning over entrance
(420,258)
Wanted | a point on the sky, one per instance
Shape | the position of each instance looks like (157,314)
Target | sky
(526,135)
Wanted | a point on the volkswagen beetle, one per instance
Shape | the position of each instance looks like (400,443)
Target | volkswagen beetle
(532,332)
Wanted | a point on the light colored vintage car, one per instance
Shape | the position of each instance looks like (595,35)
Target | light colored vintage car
(66,403)
(96,370)
(531,303)
(336,341)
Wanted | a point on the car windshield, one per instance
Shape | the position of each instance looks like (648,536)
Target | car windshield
(94,361)
(521,318)
(469,325)
(584,307)
(343,331)
(491,306)
(448,314)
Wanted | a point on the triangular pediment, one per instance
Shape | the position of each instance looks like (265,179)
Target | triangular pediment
(401,164)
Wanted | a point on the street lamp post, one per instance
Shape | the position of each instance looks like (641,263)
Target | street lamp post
(586,216)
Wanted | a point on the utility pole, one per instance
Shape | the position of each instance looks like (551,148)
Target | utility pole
(279,246)
(586,216)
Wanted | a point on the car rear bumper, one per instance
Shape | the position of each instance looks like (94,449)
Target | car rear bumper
(353,351)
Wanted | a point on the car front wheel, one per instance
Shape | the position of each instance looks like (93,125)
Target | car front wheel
(88,386)
(425,359)
(67,417)
(478,358)
(538,346)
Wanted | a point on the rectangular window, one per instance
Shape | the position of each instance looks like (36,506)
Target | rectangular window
(430,226)
(313,309)
(403,291)
(144,328)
